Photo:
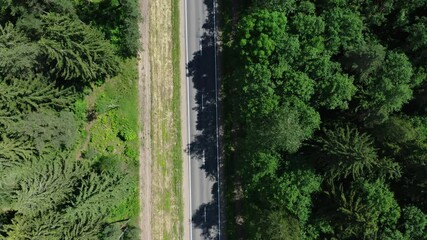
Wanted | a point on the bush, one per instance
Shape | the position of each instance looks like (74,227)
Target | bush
(80,109)
(131,152)
(110,149)
(127,134)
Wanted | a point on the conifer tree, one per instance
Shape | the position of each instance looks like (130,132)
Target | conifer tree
(14,152)
(347,152)
(18,56)
(21,96)
(47,130)
(82,54)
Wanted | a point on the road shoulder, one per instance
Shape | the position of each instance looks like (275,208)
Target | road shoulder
(184,125)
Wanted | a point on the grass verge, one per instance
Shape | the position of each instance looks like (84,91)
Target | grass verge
(177,152)
(111,139)
(166,143)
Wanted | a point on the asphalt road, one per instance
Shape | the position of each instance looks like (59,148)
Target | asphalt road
(202,119)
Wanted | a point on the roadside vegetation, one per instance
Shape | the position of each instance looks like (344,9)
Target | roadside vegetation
(69,142)
(166,182)
(325,119)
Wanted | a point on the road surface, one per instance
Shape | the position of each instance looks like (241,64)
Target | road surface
(202,117)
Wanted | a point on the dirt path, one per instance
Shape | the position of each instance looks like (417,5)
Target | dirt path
(144,87)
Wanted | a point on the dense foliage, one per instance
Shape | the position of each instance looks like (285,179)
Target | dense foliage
(326,125)
(51,185)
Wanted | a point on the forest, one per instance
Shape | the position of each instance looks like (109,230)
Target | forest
(325,119)
(68,119)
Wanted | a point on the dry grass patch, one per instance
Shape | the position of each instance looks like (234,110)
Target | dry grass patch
(166,219)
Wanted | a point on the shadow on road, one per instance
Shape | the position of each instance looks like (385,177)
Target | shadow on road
(206,217)
(201,69)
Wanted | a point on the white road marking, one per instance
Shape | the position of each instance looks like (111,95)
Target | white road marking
(203,157)
(217,128)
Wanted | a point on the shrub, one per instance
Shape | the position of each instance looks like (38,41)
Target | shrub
(127,134)
(131,152)
(80,109)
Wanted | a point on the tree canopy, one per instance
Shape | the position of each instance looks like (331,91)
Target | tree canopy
(325,119)
(50,59)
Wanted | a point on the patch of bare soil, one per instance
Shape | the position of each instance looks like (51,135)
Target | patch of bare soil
(144,89)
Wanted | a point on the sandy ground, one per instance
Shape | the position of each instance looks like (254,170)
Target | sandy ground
(144,87)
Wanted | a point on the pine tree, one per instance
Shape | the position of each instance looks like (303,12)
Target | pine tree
(76,198)
(45,184)
(14,152)
(365,210)
(20,96)
(346,152)
(82,54)
(18,56)
(46,226)
(83,225)
(47,130)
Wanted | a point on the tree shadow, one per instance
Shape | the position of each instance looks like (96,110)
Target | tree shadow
(203,148)
(201,69)
(206,217)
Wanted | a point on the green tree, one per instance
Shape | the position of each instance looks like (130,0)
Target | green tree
(14,151)
(59,198)
(364,60)
(334,89)
(257,93)
(79,55)
(23,7)
(18,56)
(284,129)
(307,26)
(347,152)
(44,184)
(261,166)
(365,210)
(415,223)
(297,86)
(130,14)
(344,29)
(44,226)
(289,187)
(394,133)
(47,129)
(118,20)
(275,224)
(283,6)
(388,89)
(83,225)
(19,97)
(418,34)
(293,190)
(259,34)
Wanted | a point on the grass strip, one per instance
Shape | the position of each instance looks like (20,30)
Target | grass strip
(176,104)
